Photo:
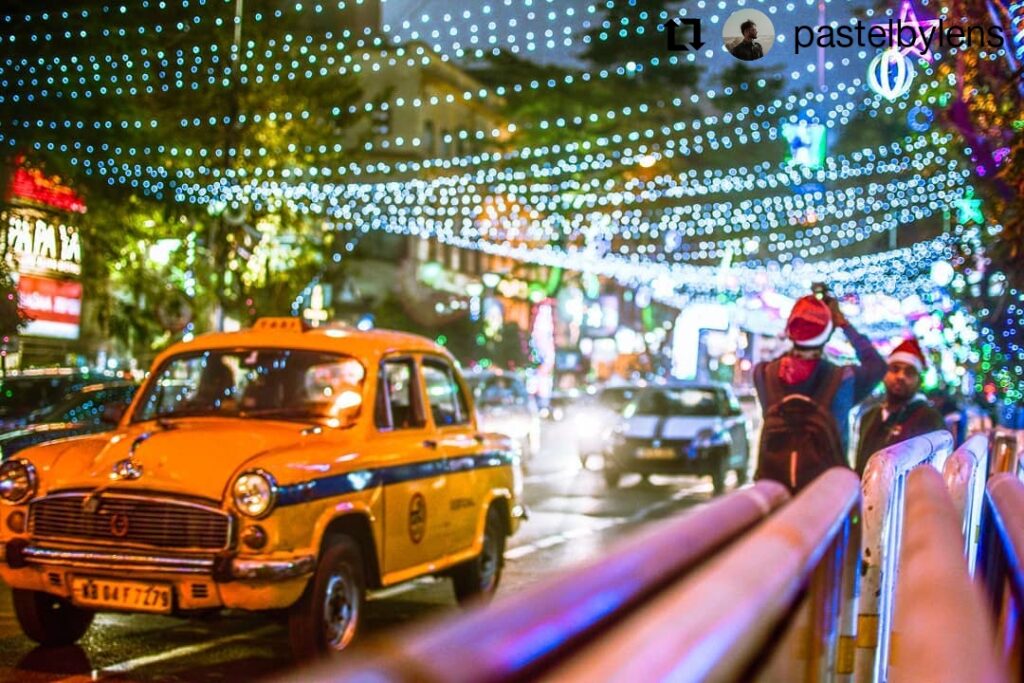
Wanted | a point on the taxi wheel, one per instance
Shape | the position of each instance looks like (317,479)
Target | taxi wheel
(48,619)
(326,617)
(479,577)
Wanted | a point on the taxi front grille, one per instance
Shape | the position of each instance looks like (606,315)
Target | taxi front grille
(127,519)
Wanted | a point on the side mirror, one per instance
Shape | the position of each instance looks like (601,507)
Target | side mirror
(113,413)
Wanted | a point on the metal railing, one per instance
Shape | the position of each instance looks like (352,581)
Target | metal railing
(1008,451)
(525,634)
(770,606)
(1001,563)
(883,487)
(942,629)
(964,474)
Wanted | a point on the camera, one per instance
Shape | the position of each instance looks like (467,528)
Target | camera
(820,290)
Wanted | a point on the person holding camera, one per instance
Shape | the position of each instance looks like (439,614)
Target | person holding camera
(806,399)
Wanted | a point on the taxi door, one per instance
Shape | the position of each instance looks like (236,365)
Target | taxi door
(449,413)
(413,470)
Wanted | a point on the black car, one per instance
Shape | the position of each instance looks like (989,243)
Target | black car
(24,393)
(92,409)
(680,428)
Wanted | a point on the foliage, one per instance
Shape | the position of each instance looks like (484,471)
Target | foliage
(115,101)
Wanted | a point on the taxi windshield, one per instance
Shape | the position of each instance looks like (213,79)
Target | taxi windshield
(275,384)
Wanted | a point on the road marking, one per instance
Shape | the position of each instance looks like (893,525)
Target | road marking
(557,474)
(184,651)
(561,537)
(385,593)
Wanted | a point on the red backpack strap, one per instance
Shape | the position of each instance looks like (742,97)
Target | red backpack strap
(773,389)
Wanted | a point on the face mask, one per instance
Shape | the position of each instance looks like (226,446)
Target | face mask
(793,369)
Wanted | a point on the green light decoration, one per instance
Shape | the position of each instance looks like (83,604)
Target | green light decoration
(969,208)
(554,281)
(647,318)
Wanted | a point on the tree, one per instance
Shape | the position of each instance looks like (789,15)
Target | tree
(751,85)
(173,107)
(631,34)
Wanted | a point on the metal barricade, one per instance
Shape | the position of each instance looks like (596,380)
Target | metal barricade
(768,608)
(942,630)
(1008,451)
(523,635)
(964,474)
(883,487)
(1001,563)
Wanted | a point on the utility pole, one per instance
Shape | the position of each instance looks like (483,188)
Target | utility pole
(219,227)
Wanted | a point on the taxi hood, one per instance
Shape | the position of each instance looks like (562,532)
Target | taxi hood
(195,457)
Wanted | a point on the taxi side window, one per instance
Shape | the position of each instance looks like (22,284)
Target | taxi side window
(396,404)
(447,404)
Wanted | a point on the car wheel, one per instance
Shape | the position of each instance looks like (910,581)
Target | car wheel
(48,619)
(326,618)
(611,478)
(478,579)
(719,473)
(743,473)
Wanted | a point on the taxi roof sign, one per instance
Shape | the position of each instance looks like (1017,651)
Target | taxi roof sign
(280,325)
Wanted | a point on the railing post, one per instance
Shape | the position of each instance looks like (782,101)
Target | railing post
(964,474)
(883,490)
(942,630)
(1001,563)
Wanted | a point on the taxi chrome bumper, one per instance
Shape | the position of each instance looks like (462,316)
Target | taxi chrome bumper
(222,567)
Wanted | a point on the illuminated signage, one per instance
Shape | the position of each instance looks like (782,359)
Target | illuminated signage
(54,306)
(39,245)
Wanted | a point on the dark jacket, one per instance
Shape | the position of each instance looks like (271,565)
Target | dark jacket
(748,52)
(858,382)
(917,417)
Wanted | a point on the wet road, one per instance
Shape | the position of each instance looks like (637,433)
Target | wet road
(573,518)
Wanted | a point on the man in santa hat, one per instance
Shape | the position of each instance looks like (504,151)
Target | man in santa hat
(806,399)
(905,412)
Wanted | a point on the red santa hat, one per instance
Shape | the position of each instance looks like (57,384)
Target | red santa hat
(810,322)
(909,352)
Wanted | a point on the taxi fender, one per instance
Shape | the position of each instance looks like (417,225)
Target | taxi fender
(359,520)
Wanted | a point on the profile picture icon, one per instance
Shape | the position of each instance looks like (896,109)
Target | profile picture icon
(748,34)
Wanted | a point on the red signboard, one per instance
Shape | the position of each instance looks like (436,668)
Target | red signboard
(32,185)
(55,306)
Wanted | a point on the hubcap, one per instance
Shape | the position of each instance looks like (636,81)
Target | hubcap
(341,610)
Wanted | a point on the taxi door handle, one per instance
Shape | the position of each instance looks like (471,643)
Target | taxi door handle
(430,443)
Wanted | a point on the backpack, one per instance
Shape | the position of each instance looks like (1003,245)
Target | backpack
(800,437)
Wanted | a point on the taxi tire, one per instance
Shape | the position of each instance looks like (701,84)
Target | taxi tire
(467,578)
(49,619)
(306,628)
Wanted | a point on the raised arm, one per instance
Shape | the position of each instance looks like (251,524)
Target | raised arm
(872,366)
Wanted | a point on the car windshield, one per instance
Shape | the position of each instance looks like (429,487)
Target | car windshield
(85,406)
(676,402)
(617,398)
(277,384)
(498,391)
(19,396)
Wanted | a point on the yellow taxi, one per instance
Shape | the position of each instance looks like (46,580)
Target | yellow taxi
(276,468)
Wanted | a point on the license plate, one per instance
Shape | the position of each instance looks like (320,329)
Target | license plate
(655,453)
(136,596)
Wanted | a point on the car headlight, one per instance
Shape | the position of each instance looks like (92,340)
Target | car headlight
(17,481)
(255,493)
(708,438)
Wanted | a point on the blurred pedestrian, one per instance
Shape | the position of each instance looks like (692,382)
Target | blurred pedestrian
(905,412)
(806,399)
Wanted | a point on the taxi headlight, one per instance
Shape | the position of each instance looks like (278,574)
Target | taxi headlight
(255,493)
(17,481)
